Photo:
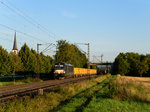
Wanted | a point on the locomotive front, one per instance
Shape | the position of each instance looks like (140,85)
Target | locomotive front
(59,70)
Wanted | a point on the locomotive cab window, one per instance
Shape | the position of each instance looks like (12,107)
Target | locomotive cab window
(59,66)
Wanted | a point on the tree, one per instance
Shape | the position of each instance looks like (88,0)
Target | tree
(131,64)
(34,60)
(143,66)
(28,59)
(6,65)
(45,65)
(121,66)
(148,62)
(69,53)
(16,61)
(138,64)
(134,60)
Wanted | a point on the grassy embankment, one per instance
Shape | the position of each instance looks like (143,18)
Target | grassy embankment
(131,88)
(51,100)
(110,96)
(121,95)
(97,95)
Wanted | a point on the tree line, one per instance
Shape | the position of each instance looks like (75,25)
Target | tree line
(132,64)
(29,62)
(24,63)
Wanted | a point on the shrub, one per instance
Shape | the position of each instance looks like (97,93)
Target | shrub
(113,89)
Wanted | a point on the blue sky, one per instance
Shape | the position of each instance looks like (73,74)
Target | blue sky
(110,26)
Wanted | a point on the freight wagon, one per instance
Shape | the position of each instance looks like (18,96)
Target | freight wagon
(68,70)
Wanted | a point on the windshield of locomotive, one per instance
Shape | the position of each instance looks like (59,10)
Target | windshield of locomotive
(59,67)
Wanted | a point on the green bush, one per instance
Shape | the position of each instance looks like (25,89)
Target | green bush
(113,88)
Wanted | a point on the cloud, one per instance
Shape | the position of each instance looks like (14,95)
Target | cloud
(69,14)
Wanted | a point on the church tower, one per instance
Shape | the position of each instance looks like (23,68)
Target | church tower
(15,50)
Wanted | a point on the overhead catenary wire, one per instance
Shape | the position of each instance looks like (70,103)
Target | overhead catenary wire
(25,15)
(16,12)
(81,49)
(7,34)
(48,49)
(22,32)
(8,40)
(2,38)
(28,18)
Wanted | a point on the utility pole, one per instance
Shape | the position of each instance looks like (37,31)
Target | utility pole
(87,53)
(38,61)
(101,60)
(38,48)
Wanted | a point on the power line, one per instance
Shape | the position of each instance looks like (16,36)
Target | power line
(11,41)
(80,49)
(2,38)
(5,33)
(15,12)
(28,18)
(88,51)
(21,32)
(49,49)
(49,46)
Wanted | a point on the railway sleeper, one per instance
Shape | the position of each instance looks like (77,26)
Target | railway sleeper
(37,91)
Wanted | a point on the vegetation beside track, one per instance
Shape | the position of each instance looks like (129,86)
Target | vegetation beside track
(10,81)
(105,97)
(130,88)
(118,97)
(103,94)
(51,100)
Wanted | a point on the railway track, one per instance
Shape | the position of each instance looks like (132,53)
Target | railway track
(10,92)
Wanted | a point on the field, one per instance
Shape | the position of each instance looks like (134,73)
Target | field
(135,80)
(134,88)
(105,97)
(103,94)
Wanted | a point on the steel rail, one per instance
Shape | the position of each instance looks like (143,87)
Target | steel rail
(10,92)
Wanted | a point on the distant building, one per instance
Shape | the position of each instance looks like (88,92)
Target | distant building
(15,49)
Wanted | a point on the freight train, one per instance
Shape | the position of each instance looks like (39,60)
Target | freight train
(64,70)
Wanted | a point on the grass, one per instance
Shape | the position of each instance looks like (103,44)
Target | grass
(19,81)
(97,99)
(52,100)
(140,81)
(110,105)
(102,94)
(77,103)
(131,89)
(101,103)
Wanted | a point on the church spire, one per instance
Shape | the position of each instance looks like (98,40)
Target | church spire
(15,43)
(15,49)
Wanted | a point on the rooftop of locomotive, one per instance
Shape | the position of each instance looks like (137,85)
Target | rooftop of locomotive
(63,63)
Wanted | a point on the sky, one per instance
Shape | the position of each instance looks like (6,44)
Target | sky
(110,26)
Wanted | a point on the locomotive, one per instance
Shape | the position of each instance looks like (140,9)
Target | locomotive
(64,70)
